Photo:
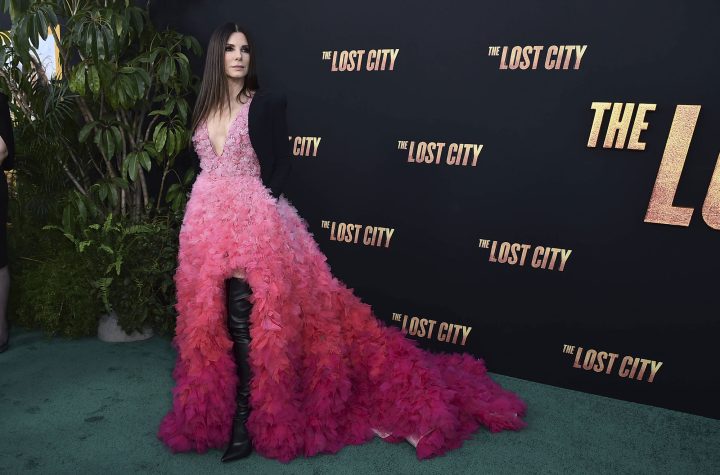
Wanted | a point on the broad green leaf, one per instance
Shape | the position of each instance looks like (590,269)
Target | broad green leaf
(173,190)
(109,143)
(89,35)
(93,80)
(171,142)
(109,42)
(125,163)
(159,137)
(140,82)
(120,182)
(117,136)
(99,44)
(43,26)
(85,131)
(145,160)
(51,15)
(150,149)
(132,166)
(185,73)
(182,57)
(189,175)
(183,108)
(119,25)
(172,67)
(123,87)
(177,202)
(32,31)
(164,71)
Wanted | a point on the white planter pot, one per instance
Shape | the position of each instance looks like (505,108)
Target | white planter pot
(110,331)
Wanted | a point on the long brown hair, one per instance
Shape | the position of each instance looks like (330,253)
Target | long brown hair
(214,88)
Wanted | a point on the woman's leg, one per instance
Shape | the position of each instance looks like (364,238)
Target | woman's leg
(239,308)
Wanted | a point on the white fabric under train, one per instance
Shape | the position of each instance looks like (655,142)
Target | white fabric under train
(413,439)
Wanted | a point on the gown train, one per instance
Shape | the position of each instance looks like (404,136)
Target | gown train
(326,372)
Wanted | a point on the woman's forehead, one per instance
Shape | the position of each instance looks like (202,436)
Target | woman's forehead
(237,38)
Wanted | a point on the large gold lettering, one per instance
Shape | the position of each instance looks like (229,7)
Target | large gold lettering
(661,209)
(711,207)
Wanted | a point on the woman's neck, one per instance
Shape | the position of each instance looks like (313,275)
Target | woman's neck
(235,87)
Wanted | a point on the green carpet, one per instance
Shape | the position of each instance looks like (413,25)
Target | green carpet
(84,406)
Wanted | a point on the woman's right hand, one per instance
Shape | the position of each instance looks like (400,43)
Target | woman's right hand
(3,150)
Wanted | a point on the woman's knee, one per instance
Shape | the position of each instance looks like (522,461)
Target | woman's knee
(239,307)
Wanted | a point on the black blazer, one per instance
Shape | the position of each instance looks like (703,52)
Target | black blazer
(6,132)
(267,127)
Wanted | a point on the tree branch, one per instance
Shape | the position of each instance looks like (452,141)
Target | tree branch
(71,176)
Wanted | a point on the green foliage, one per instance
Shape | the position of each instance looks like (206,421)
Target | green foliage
(132,267)
(86,141)
(62,283)
(50,287)
(144,292)
(118,109)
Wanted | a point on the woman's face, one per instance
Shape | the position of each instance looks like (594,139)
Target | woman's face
(237,56)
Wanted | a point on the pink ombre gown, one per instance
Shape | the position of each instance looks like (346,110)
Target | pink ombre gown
(326,372)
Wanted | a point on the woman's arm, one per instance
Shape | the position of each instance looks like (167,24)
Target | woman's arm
(3,150)
(281,146)
(7,143)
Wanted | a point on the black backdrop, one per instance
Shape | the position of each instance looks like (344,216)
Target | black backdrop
(630,287)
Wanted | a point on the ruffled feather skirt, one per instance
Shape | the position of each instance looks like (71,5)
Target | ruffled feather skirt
(326,372)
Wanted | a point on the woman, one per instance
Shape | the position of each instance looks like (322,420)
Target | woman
(274,352)
(7,160)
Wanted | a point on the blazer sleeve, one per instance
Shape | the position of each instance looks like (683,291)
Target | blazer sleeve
(281,146)
(7,133)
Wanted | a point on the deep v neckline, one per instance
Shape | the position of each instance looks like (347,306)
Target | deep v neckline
(229,130)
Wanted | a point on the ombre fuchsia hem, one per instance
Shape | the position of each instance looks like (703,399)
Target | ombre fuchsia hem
(326,372)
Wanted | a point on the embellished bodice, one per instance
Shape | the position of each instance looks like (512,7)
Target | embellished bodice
(237,156)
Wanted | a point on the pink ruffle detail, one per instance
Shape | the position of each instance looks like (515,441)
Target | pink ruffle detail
(326,371)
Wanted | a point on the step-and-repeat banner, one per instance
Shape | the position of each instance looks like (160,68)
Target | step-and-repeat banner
(537,183)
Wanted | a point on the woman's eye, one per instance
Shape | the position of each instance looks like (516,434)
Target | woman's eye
(245,49)
(228,48)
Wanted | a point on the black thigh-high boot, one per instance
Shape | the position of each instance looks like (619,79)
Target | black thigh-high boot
(239,307)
